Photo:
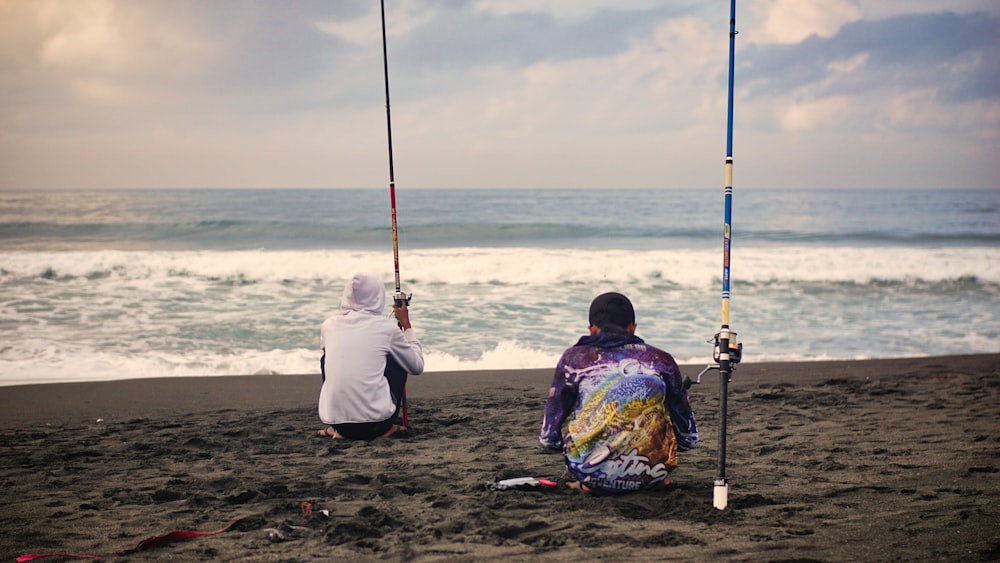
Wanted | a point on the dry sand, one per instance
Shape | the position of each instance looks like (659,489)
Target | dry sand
(884,460)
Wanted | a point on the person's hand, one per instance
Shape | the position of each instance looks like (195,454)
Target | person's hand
(402,315)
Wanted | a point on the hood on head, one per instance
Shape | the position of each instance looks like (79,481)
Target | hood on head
(365,293)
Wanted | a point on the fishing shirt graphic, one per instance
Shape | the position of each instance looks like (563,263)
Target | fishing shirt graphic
(618,409)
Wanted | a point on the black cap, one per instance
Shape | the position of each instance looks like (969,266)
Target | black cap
(611,309)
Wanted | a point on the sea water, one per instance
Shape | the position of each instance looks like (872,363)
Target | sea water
(118,284)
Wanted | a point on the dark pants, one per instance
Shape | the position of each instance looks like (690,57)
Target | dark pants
(396,376)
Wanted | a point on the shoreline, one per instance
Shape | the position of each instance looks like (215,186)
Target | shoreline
(164,396)
(872,460)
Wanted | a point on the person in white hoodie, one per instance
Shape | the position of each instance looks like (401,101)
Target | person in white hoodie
(366,360)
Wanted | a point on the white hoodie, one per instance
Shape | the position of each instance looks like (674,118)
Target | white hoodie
(356,343)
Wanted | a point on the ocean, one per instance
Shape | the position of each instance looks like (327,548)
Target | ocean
(120,284)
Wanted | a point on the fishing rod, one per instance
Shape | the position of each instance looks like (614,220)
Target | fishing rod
(728,351)
(398,297)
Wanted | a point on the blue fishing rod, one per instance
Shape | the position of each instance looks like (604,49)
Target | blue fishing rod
(728,351)
(398,297)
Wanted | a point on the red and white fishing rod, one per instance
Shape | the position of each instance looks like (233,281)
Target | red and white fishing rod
(398,297)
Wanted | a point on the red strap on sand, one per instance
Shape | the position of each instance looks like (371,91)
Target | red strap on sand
(33,556)
(144,544)
(406,413)
(172,536)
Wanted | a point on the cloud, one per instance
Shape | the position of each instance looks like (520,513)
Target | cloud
(791,21)
(948,58)
(552,119)
(475,37)
(812,114)
(98,93)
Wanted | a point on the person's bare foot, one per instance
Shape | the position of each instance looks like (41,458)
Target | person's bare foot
(329,431)
(395,428)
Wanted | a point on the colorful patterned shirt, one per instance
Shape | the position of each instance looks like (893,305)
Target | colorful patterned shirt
(619,411)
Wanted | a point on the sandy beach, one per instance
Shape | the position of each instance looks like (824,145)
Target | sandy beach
(881,460)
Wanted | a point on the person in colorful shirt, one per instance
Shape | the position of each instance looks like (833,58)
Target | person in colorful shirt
(617,407)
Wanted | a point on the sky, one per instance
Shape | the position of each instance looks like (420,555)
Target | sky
(498,93)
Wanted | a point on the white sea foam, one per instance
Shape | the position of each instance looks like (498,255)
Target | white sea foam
(506,355)
(92,315)
(523,266)
(67,363)
(164,283)
(49,364)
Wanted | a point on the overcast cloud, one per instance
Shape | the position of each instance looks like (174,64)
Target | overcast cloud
(498,93)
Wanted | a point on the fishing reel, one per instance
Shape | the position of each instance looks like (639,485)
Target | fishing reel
(399,297)
(735,353)
(735,348)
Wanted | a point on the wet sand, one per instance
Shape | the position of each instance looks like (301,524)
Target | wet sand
(881,460)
